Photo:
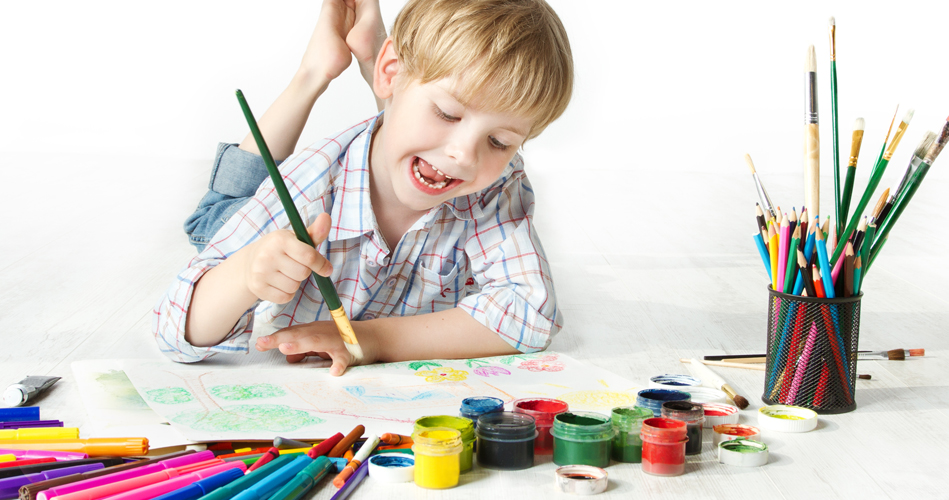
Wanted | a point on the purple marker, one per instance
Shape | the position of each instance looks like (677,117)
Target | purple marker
(10,487)
(354,481)
(31,423)
(128,474)
(60,456)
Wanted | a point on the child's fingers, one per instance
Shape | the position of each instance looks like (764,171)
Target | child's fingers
(320,228)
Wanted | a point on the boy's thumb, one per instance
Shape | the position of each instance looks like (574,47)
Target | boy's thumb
(320,228)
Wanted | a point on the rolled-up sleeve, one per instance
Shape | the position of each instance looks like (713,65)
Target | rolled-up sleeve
(517,298)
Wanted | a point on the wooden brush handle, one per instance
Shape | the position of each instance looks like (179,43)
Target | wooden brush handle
(747,366)
(812,169)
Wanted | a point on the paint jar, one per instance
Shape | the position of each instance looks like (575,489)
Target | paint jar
(506,440)
(664,442)
(582,438)
(673,381)
(706,395)
(627,422)
(463,425)
(719,413)
(653,399)
(543,410)
(437,457)
(693,414)
(473,408)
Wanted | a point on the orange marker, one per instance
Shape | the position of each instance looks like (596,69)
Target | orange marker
(371,442)
(347,442)
(392,439)
(94,447)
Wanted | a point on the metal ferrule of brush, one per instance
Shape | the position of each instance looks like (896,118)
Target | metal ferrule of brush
(763,197)
(810,97)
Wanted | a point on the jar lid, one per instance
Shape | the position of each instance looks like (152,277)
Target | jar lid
(673,381)
(728,432)
(582,479)
(743,453)
(392,467)
(506,426)
(719,413)
(662,395)
(481,405)
(784,418)
(706,395)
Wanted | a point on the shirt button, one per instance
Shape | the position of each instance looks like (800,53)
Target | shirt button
(371,263)
(368,316)
(391,282)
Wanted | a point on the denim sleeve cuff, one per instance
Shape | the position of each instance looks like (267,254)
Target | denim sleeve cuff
(236,172)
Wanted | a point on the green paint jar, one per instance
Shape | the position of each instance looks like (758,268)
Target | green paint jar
(582,438)
(627,422)
(464,425)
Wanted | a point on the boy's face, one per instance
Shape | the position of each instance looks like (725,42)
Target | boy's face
(434,148)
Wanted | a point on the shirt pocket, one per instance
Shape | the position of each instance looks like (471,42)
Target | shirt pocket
(440,288)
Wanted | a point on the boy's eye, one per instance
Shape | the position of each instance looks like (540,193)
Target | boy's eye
(497,144)
(443,115)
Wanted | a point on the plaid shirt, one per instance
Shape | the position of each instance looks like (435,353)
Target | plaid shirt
(479,252)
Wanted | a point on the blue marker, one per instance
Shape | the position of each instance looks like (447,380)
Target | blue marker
(304,481)
(203,487)
(268,485)
(19,414)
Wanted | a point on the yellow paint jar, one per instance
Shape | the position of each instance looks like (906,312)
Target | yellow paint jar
(437,452)
(464,425)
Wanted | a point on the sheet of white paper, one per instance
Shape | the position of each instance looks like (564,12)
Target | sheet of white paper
(207,404)
(115,408)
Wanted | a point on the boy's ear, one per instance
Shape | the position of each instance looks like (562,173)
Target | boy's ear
(385,71)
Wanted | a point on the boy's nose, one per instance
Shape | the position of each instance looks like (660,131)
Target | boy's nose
(462,150)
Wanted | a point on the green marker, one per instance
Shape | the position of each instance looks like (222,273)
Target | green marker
(228,491)
(304,481)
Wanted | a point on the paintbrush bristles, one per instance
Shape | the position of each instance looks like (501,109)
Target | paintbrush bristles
(925,144)
(751,164)
(937,146)
(833,39)
(898,135)
(859,124)
(810,63)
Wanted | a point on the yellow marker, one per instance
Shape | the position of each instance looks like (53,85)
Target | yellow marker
(41,433)
(7,458)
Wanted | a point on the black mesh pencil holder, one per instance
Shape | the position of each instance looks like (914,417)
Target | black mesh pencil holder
(812,352)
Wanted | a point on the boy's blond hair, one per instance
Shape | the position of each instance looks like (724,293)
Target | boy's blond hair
(513,53)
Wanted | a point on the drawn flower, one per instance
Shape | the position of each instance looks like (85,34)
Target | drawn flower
(544,364)
(442,374)
(487,371)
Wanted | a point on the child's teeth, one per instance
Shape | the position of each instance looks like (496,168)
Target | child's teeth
(437,185)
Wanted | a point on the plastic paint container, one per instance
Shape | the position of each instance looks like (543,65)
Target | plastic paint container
(472,408)
(719,413)
(653,399)
(437,457)
(506,440)
(728,432)
(673,381)
(582,438)
(693,415)
(627,422)
(464,425)
(706,395)
(663,446)
(543,410)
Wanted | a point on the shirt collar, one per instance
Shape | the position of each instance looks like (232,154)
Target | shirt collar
(352,209)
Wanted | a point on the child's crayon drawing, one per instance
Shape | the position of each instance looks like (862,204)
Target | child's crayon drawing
(205,403)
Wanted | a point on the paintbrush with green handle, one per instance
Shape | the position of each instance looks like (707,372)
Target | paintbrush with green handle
(327,289)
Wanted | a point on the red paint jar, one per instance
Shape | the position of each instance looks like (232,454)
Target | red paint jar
(543,410)
(663,446)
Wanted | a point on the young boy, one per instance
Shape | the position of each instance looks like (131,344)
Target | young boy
(422,215)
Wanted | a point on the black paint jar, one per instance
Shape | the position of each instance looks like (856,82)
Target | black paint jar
(506,440)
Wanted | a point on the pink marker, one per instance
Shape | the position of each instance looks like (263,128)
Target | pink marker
(58,455)
(154,490)
(85,484)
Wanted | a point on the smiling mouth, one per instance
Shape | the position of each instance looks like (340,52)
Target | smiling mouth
(430,176)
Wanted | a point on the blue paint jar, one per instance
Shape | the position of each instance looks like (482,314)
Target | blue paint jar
(475,407)
(653,398)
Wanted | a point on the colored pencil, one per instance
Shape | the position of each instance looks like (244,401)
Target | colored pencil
(763,252)
(811,135)
(848,271)
(326,286)
(773,245)
(783,244)
(857,274)
(825,272)
(818,282)
(791,272)
(806,280)
(855,143)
